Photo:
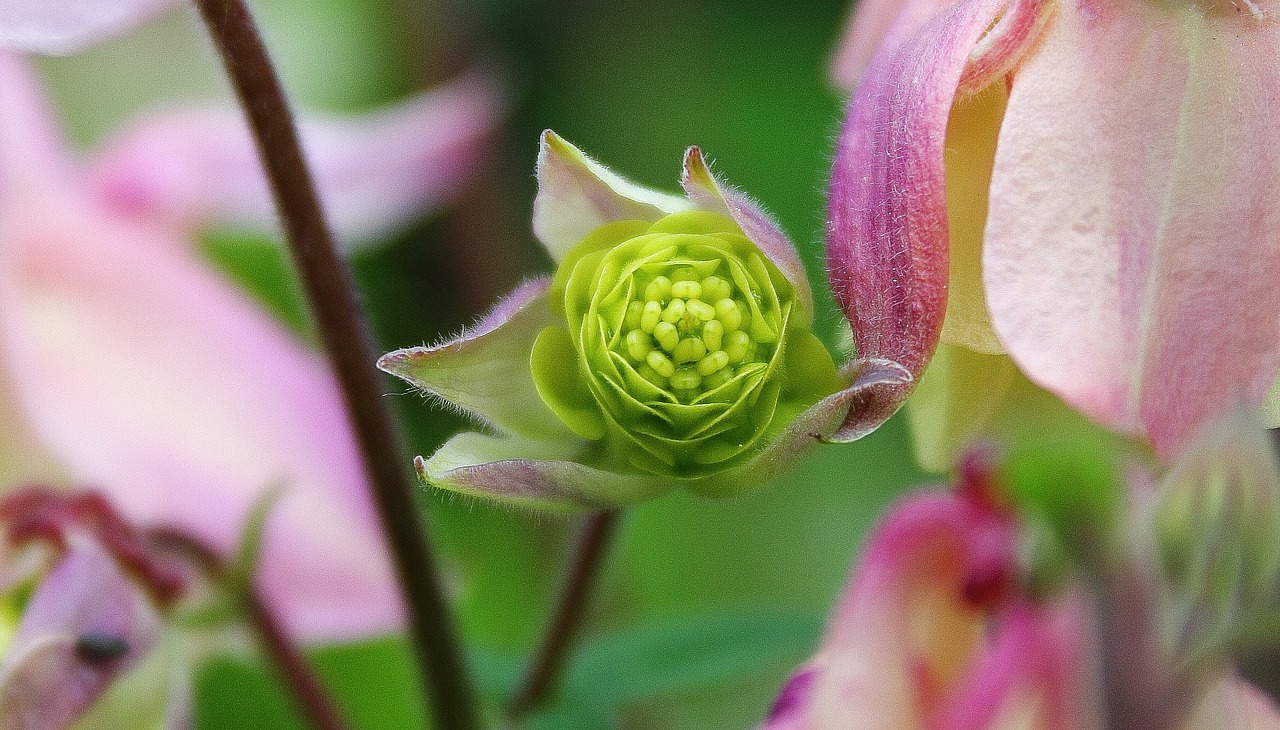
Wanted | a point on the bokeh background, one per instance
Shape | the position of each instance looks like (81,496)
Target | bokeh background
(704,606)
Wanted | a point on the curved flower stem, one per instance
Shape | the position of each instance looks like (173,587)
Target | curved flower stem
(332,297)
(548,663)
(292,666)
(285,657)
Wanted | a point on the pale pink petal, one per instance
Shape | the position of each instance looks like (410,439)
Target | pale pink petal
(577,195)
(1131,256)
(147,375)
(887,233)
(194,165)
(85,624)
(1256,711)
(709,193)
(65,26)
(30,142)
(485,371)
(31,150)
(911,620)
(878,26)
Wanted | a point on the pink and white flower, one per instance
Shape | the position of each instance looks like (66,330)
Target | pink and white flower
(1090,182)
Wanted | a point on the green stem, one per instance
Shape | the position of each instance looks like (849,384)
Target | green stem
(332,298)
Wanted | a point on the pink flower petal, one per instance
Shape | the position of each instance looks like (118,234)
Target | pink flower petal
(887,235)
(149,376)
(911,621)
(65,26)
(49,676)
(577,195)
(887,232)
(1233,704)
(377,172)
(1130,255)
(30,142)
(878,26)
(1030,678)
(709,193)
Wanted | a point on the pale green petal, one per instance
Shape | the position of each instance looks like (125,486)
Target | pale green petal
(538,474)
(858,409)
(970,152)
(485,372)
(577,195)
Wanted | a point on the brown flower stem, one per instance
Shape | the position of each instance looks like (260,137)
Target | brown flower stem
(333,303)
(1134,677)
(289,662)
(1142,689)
(276,645)
(570,611)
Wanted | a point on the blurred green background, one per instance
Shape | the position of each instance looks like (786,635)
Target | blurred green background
(705,606)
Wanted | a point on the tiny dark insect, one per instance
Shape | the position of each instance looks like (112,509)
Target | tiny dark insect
(96,648)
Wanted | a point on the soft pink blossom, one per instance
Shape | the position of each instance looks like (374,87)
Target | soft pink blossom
(932,633)
(140,370)
(1093,184)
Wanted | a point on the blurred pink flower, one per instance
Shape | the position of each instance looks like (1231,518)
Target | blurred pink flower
(1092,182)
(85,625)
(931,633)
(98,595)
(137,368)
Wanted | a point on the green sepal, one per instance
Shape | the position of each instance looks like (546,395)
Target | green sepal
(554,364)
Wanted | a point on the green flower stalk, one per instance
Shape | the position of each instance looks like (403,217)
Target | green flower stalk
(672,347)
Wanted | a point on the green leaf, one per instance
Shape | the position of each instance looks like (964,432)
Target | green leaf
(261,265)
(245,561)
(635,665)
(666,658)
(374,684)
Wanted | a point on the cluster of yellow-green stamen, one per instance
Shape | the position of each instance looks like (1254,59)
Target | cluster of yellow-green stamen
(688,334)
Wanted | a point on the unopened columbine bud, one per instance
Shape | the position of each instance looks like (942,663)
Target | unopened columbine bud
(673,347)
(1218,530)
(675,332)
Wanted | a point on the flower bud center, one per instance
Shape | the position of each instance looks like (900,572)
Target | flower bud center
(688,329)
(673,342)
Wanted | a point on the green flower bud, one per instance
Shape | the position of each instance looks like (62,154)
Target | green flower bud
(671,349)
(677,332)
(1218,534)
